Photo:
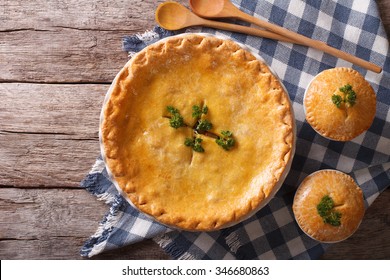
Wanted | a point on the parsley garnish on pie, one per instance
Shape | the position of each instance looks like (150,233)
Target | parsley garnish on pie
(327,213)
(176,120)
(197,111)
(337,99)
(203,125)
(226,141)
(195,143)
(349,96)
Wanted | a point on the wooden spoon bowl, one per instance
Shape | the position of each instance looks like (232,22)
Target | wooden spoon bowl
(208,9)
(174,16)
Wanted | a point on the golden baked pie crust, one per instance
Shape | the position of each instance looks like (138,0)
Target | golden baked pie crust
(347,197)
(147,157)
(344,123)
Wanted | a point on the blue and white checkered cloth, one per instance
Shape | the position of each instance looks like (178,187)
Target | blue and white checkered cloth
(352,26)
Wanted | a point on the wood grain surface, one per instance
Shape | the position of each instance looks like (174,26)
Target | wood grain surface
(57,59)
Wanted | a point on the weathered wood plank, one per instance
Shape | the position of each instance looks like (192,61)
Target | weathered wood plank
(45,160)
(47,213)
(46,224)
(67,248)
(61,56)
(68,41)
(384,10)
(135,15)
(54,223)
(48,133)
(50,108)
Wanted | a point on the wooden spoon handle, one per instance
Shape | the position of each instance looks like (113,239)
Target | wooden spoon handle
(303,40)
(246,30)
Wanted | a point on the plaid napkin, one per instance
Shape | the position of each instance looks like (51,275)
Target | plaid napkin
(272,233)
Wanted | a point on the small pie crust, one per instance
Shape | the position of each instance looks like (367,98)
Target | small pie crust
(147,158)
(346,122)
(348,200)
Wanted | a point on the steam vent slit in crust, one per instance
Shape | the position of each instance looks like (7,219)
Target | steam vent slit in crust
(197,133)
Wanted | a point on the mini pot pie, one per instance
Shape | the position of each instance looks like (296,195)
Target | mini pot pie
(328,206)
(197,133)
(340,104)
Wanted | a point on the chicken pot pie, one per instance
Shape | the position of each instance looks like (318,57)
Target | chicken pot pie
(340,104)
(329,206)
(197,132)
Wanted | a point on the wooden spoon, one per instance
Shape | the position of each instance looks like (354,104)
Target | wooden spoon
(174,16)
(225,9)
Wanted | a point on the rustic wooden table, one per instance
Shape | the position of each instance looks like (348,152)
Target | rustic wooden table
(57,59)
